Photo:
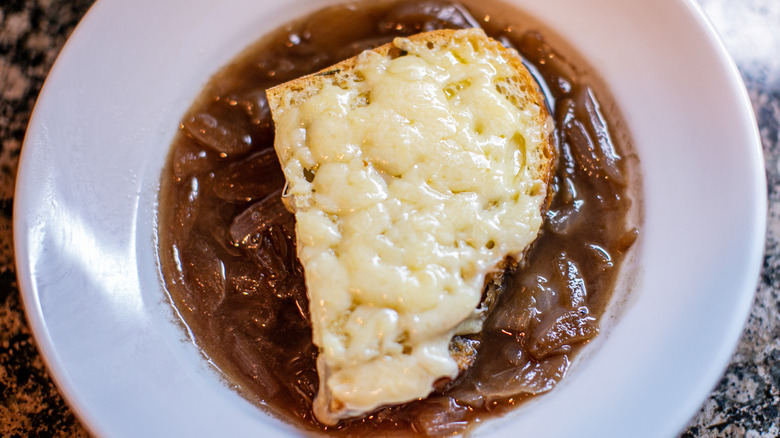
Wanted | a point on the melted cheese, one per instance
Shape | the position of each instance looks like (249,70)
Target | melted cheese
(410,184)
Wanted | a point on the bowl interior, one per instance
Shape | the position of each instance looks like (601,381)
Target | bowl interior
(86,202)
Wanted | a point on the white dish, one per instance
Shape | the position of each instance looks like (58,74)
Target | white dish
(88,177)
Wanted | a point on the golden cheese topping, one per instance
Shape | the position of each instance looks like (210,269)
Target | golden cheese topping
(410,183)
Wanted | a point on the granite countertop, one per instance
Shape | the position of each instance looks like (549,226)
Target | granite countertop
(746,402)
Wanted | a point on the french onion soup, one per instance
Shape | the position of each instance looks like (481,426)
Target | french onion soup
(461,220)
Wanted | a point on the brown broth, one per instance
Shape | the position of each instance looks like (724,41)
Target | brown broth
(227,245)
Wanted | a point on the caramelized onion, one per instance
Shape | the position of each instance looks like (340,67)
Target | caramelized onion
(427,15)
(530,378)
(574,295)
(440,416)
(207,275)
(252,178)
(556,72)
(559,332)
(221,136)
(189,160)
(249,226)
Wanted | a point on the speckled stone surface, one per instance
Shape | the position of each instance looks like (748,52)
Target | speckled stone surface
(31,36)
(746,402)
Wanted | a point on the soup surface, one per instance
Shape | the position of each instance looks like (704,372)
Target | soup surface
(227,244)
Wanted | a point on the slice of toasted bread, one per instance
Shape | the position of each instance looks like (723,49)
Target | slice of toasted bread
(414,171)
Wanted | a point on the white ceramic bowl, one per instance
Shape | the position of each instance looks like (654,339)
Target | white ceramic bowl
(85,214)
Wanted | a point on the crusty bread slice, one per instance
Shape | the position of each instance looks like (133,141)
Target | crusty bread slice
(415,171)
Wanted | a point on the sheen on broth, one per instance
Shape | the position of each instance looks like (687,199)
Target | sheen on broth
(227,243)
